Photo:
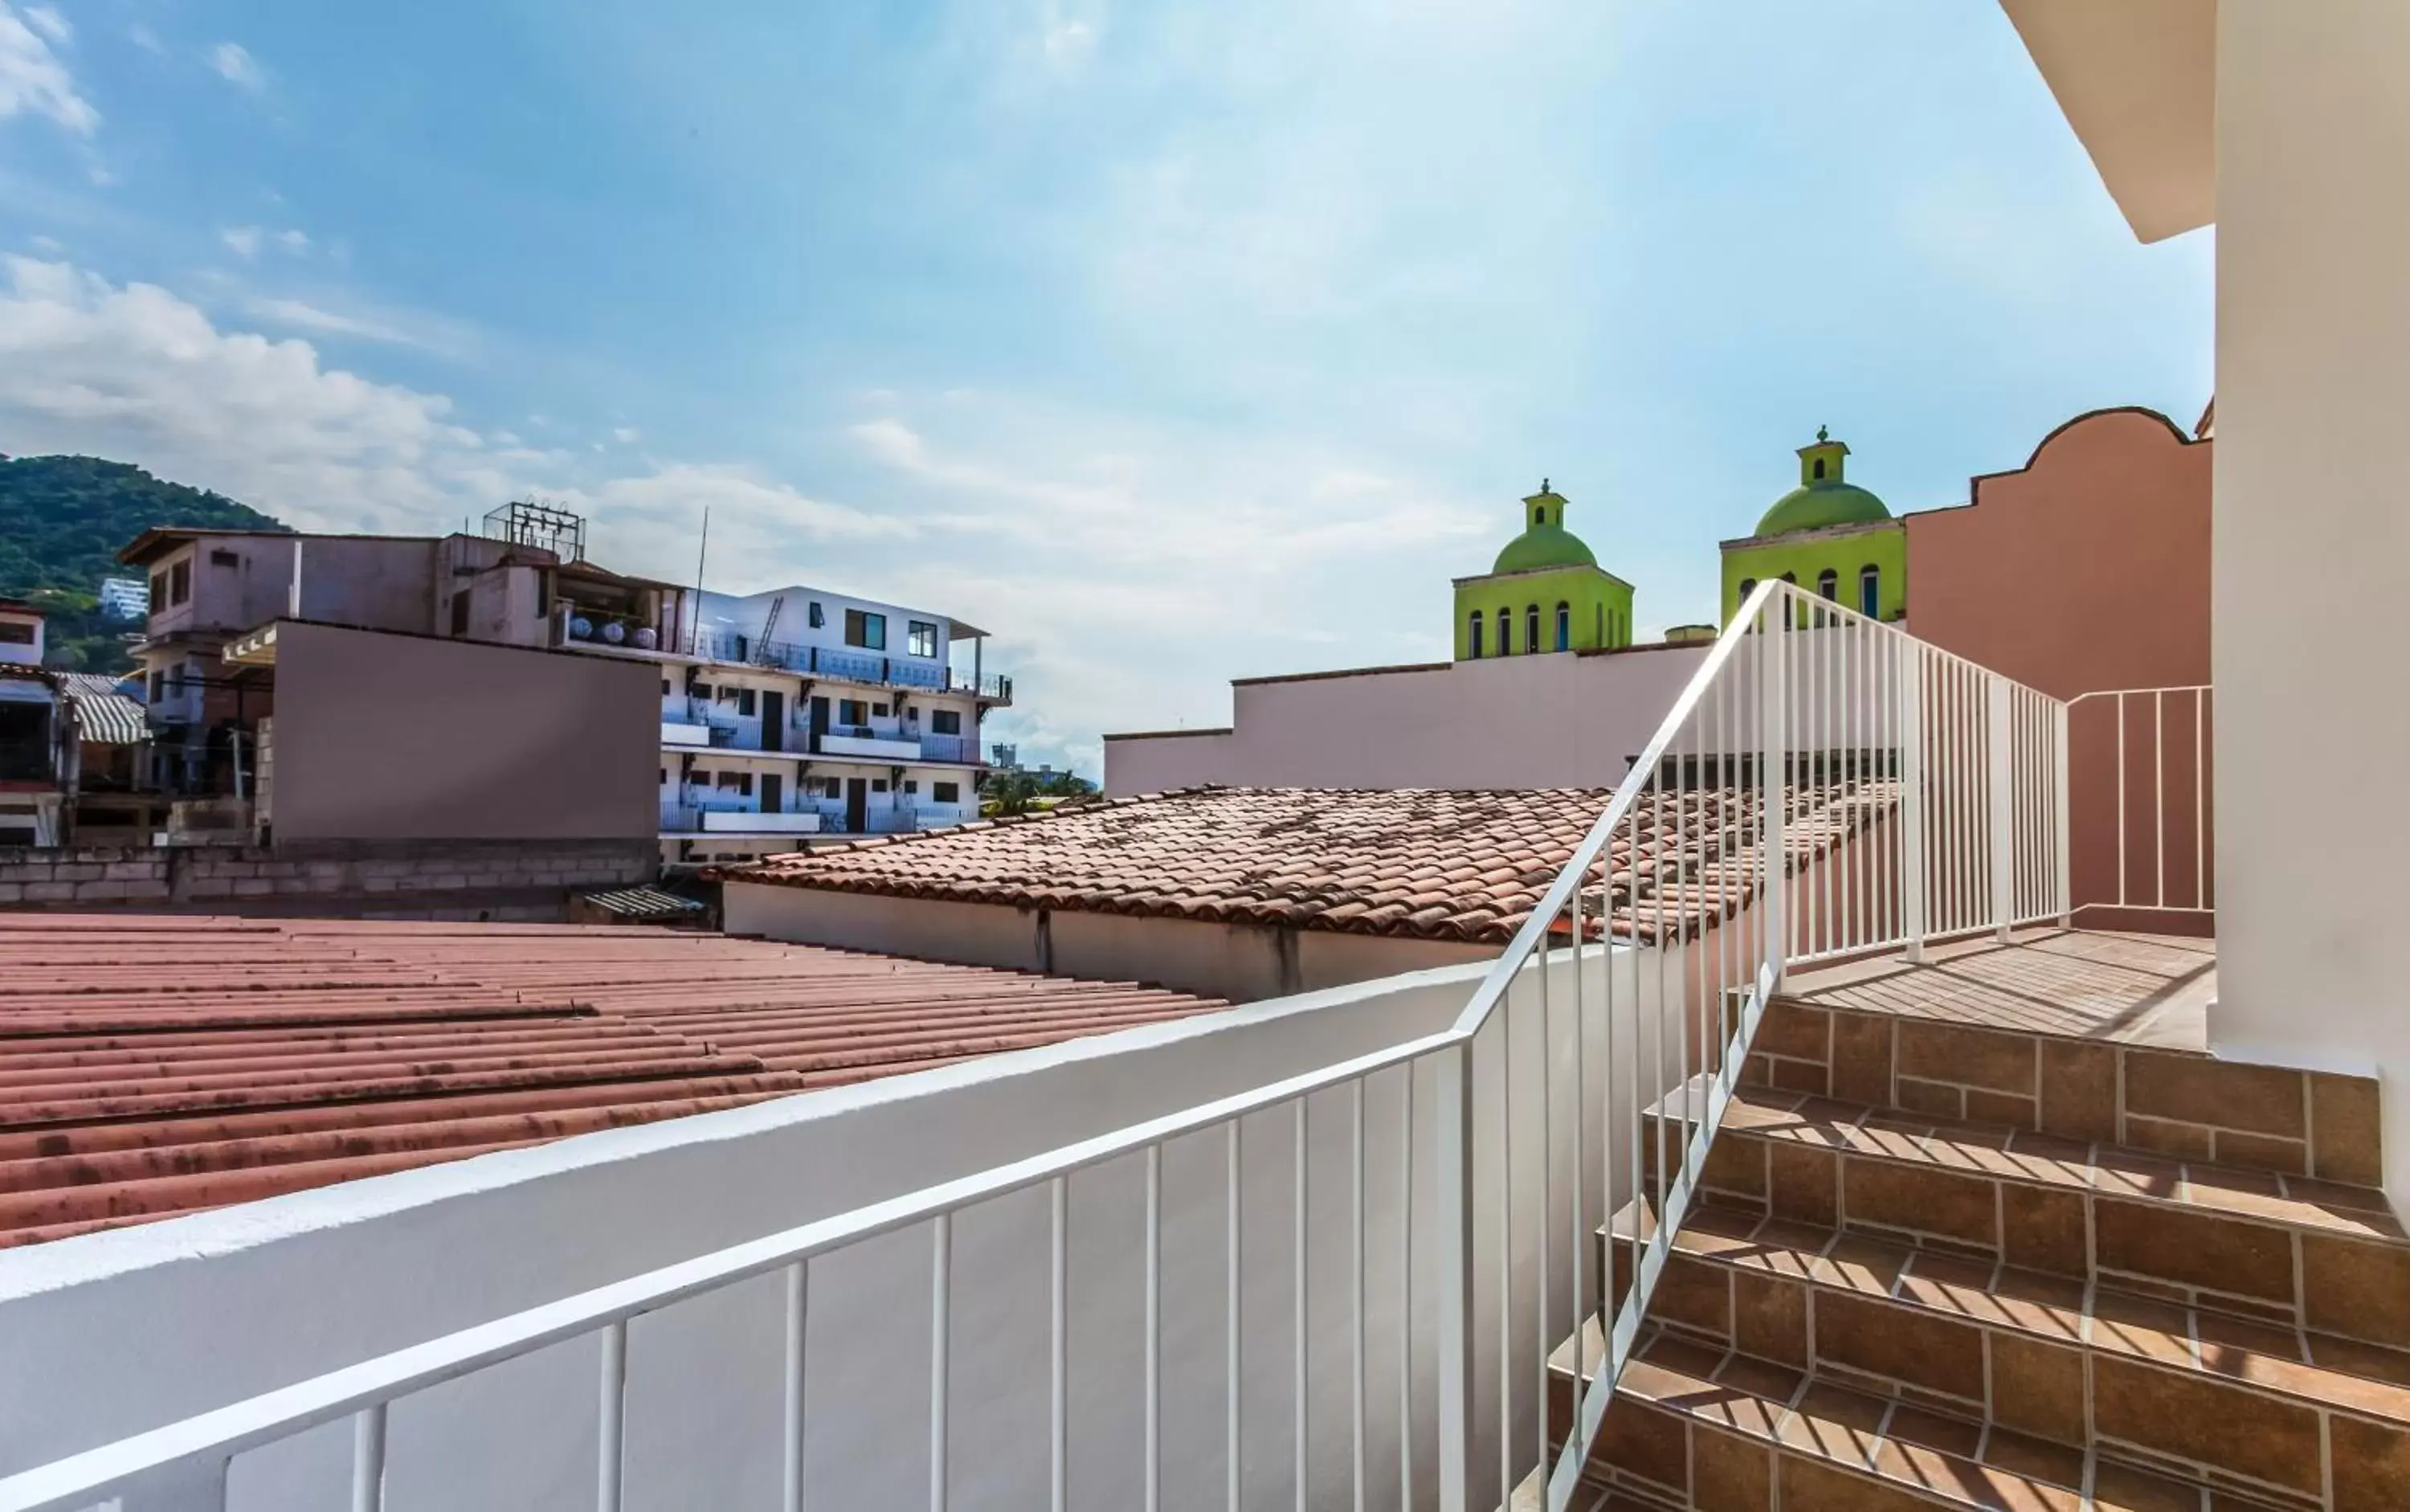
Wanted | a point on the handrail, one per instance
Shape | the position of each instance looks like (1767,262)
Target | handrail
(1823,784)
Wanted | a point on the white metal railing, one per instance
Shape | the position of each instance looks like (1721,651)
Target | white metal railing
(2142,775)
(1825,785)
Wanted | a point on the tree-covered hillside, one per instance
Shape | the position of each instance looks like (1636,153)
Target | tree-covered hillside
(63,520)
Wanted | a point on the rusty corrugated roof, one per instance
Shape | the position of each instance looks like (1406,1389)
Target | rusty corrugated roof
(158,1065)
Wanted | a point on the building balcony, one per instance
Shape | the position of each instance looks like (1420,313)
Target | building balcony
(877,669)
(868,745)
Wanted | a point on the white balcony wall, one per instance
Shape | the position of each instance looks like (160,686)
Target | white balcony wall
(118,1331)
(874,748)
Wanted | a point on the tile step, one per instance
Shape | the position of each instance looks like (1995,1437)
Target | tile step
(2045,1356)
(1694,1427)
(2289,1251)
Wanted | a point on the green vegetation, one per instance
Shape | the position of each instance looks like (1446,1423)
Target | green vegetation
(63,520)
(1022,792)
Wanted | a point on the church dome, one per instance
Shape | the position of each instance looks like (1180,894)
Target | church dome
(1544,541)
(1822,499)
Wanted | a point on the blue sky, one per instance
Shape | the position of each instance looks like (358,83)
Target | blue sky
(1171,341)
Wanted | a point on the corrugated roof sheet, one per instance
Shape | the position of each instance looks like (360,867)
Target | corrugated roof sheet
(102,714)
(1424,863)
(151,1065)
(644,902)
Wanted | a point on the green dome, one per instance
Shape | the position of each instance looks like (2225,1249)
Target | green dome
(1544,545)
(1822,499)
(1544,541)
(1813,506)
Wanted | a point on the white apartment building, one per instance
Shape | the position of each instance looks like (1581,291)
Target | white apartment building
(798,716)
(31,792)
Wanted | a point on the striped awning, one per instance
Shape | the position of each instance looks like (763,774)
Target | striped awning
(109,719)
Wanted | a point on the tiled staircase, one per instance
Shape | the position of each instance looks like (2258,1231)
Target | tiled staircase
(1940,1266)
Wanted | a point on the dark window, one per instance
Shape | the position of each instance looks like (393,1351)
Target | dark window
(1792,578)
(1819,467)
(878,712)
(223,558)
(946,791)
(665,687)
(817,618)
(911,785)
(923,639)
(878,784)
(701,780)
(945,722)
(460,620)
(866,630)
(1531,629)
(1870,591)
(1828,585)
(748,703)
(180,581)
(1748,586)
(1473,635)
(158,590)
(15,634)
(848,711)
(158,684)
(1505,632)
(1564,627)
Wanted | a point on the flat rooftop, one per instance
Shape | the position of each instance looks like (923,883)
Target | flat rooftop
(158,1065)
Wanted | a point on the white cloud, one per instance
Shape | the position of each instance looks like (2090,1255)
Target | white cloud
(297,314)
(294,241)
(244,239)
(624,435)
(33,80)
(237,66)
(1068,41)
(144,38)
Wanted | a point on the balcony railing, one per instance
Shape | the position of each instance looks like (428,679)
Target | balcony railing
(1817,790)
(855,665)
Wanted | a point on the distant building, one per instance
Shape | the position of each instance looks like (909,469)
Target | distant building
(124,598)
(1827,535)
(1546,593)
(33,784)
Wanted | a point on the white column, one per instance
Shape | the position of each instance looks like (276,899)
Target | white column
(2313,542)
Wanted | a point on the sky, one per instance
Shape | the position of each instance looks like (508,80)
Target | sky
(1171,342)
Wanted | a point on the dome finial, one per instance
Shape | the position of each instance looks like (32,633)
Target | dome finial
(1544,486)
(1823,432)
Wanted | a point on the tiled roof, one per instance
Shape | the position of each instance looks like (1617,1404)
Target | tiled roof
(1427,864)
(151,1065)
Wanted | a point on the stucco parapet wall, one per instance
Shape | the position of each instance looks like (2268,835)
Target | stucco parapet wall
(1828,533)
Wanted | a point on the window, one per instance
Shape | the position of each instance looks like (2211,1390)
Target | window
(1819,467)
(946,792)
(878,712)
(878,784)
(158,590)
(746,703)
(1748,586)
(16,634)
(922,638)
(740,782)
(848,711)
(223,558)
(910,711)
(665,687)
(1792,578)
(866,630)
(701,780)
(1564,627)
(459,614)
(180,581)
(912,784)
(945,722)
(158,685)
(1505,631)
(1870,591)
(1531,629)
(1473,635)
(817,618)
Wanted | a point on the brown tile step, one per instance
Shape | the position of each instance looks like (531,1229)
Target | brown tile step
(2287,1250)
(1696,1427)
(2177,1103)
(2230,1403)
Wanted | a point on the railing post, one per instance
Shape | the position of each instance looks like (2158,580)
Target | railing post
(2062,871)
(1452,1229)
(1997,720)
(1910,684)
(1772,777)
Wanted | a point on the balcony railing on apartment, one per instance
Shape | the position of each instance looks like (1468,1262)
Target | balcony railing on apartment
(867,666)
(1819,790)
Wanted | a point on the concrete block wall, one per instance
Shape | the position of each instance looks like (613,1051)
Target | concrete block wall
(520,881)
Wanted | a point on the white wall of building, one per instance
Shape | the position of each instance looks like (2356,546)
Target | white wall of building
(116,1333)
(1522,721)
(2311,535)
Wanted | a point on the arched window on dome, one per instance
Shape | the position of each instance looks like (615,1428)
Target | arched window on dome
(1564,627)
(1870,591)
(1748,586)
(1820,468)
(1473,635)
(1505,632)
(1828,585)
(1531,629)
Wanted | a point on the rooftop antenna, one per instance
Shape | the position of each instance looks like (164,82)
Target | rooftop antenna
(700,551)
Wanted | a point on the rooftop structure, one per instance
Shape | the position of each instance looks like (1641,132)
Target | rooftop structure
(1827,535)
(1546,593)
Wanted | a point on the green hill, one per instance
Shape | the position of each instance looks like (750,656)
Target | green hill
(63,520)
